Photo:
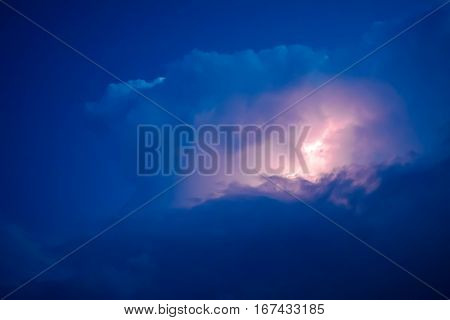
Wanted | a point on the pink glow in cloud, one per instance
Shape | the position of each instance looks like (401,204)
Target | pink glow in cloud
(355,126)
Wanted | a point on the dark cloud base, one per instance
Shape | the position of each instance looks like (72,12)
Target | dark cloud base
(226,249)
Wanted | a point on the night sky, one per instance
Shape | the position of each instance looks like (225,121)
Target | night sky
(68,136)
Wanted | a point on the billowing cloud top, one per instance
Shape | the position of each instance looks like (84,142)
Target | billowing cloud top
(354,121)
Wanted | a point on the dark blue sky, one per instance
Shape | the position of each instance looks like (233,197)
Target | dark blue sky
(68,173)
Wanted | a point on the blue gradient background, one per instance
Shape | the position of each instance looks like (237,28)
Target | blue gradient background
(65,175)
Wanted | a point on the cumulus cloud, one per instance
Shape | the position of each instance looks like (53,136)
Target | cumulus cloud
(377,114)
(120,95)
(204,82)
(355,121)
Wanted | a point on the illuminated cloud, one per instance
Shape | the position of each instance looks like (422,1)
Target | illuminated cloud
(355,122)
